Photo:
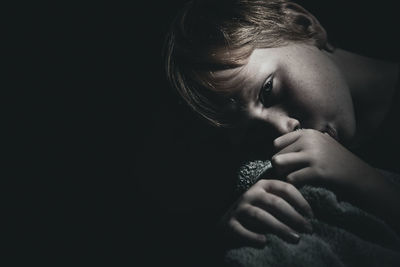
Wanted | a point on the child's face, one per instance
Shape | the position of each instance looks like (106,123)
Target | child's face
(294,86)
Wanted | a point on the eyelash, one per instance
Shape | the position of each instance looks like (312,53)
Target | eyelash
(266,100)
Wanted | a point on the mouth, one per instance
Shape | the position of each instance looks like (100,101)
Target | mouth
(332,132)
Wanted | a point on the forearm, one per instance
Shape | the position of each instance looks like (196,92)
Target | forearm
(377,194)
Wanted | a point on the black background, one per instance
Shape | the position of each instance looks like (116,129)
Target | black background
(97,137)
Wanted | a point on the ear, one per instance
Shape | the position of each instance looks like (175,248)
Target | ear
(304,22)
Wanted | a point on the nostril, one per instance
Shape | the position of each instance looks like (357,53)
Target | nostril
(287,125)
(295,125)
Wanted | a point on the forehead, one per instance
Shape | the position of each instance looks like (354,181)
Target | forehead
(229,80)
(235,81)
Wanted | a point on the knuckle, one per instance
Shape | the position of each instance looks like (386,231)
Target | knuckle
(317,170)
(247,196)
(234,226)
(242,208)
(231,224)
(252,194)
(289,188)
(262,182)
(313,157)
(276,143)
(291,179)
(260,239)
(264,185)
(276,160)
(276,184)
(320,172)
(275,201)
(254,213)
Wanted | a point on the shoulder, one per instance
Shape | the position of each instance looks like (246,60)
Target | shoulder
(363,27)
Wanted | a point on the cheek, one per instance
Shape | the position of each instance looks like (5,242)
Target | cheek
(317,93)
(307,96)
(315,98)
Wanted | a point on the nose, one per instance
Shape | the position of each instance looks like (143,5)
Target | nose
(283,124)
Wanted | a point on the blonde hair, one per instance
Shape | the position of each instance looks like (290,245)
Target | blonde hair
(211,35)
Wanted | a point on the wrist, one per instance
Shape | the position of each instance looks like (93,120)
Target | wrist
(355,183)
(371,191)
(364,180)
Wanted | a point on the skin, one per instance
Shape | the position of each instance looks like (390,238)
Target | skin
(319,93)
(300,98)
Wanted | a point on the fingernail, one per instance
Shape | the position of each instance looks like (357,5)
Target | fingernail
(294,237)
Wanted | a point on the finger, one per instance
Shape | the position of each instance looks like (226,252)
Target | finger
(247,236)
(283,211)
(262,221)
(285,140)
(294,147)
(289,193)
(301,176)
(288,162)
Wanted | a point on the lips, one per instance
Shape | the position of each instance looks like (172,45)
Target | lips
(332,132)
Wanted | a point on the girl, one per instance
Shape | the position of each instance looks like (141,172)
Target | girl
(265,67)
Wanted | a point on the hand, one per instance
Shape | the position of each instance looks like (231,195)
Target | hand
(267,207)
(308,156)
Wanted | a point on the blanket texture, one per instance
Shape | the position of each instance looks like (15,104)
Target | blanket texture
(343,235)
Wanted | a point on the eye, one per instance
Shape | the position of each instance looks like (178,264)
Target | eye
(265,95)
